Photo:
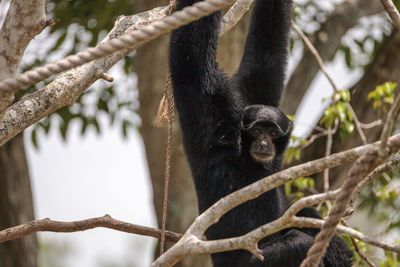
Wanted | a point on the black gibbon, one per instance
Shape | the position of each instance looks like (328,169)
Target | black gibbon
(234,134)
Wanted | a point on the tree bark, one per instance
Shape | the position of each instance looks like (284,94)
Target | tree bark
(383,68)
(16,205)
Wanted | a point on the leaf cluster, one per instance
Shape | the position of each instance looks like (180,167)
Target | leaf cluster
(339,111)
(383,95)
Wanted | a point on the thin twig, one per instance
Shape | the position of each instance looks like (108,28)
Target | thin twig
(371,124)
(392,11)
(47,225)
(303,222)
(391,117)
(358,124)
(315,53)
(328,150)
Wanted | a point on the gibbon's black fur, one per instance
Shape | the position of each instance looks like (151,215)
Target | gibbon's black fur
(217,114)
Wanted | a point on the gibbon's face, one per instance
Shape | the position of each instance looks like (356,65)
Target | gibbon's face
(262,149)
(267,129)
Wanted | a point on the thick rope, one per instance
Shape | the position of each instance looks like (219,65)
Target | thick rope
(359,170)
(127,40)
(168,98)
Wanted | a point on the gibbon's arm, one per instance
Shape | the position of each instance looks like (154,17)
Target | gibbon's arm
(209,110)
(193,53)
(261,73)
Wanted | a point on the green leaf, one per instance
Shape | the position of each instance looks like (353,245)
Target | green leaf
(102,105)
(60,40)
(371,95)
(34,139)
(125,125)
(347,56)
(85,125)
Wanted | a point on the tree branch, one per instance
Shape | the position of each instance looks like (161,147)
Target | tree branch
(234,14)
(121,42)
(391,117)
(392,11)
(303,222)
(68,87)
(47,225)
(359,170)
(191,241)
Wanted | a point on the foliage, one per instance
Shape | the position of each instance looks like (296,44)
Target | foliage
(357,260)
(294,150)
(296,189)
(339,111)
(382,95)
(392,260)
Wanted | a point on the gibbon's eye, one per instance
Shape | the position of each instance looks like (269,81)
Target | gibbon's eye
(255,132)
(274,133)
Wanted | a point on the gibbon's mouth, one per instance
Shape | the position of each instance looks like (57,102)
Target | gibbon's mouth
(262,157)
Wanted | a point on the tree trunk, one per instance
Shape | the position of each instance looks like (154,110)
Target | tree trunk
(151,63)
(16,204)
(384,67)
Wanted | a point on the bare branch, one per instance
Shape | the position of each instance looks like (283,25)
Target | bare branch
(234,14)
(303,222)
(358,124)
(211,215)
(190,243)
(248,241)
(328,151)
(392,11)
(315,53)
(360,169)
(68,87)
(371,124)
(126,41)
(47,225)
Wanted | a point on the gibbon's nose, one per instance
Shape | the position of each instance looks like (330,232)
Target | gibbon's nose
(264,144)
